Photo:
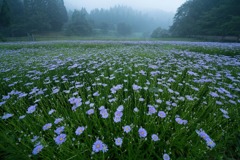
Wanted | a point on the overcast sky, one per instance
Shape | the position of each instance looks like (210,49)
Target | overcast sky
(165,5)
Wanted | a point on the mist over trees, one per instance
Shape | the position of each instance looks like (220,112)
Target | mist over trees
(26,17)
(31,16)
(207,17)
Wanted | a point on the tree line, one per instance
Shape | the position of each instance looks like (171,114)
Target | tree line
(22,17)
(207,17)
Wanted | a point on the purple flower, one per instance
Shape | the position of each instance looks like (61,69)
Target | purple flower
(47,126)
(179,120)
(166,157)
(142,132)
(37,149)
(155,137)
(32,109)
(7,115)
(97,146)
(161,114)
(151,110)
(118,114)
(58,120)
(117,119)
(90,111)
(60,139)
(96,94)
(104,113)
(118,141)
(51,111)
(127,129)
(136,87)
(79,130)
(120,108)
(210,143)
(59,130)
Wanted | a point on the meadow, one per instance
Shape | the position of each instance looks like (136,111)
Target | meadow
(119,100)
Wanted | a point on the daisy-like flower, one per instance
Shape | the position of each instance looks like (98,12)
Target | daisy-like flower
(104,113)
(59,130)
(47,126)
(60,139)
(162,114)
(58,120)
(90,111)
(32,109)
(118,141)
(117,119)
(37,149)
(166,157)
(142,132)
(98,146)
(118,114)
(151,110)
(127,129)
(7,115)
(155,137)
(120,108)
(51,111)
(79,130)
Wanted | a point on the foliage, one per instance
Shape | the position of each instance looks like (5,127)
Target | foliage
(160,33)
(105,100)
(204,17)
(123,29)
(79,25)
(32,16)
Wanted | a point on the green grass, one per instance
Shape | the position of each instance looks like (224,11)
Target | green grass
(164,73)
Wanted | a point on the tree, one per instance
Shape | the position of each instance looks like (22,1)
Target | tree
(123,29)
(204,17)
(5,15)
(160,33)
(79,25)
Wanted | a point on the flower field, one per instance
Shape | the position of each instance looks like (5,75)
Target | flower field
(119,100)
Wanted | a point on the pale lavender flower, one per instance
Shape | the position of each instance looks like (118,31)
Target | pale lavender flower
(37,149)
(32,109)
(120,108)
(151,110)
(210,143)
(47,126)
(60,139)
(59,130)
(142,132)
(96,94)
(136,87)
(118,141)
(58,120)
(127,129)
(79,130)
(135,109)
(104,113)
(23,116)
(51,111)
(155,137)
(117,119)
(90,111)
(161,114)
(97,146)
(105,148)
(7,115)
(166,157)
(118,114)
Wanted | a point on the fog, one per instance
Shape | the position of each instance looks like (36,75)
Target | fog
(164,5)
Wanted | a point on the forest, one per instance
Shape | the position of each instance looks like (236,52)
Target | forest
(25,17)
(194,17)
